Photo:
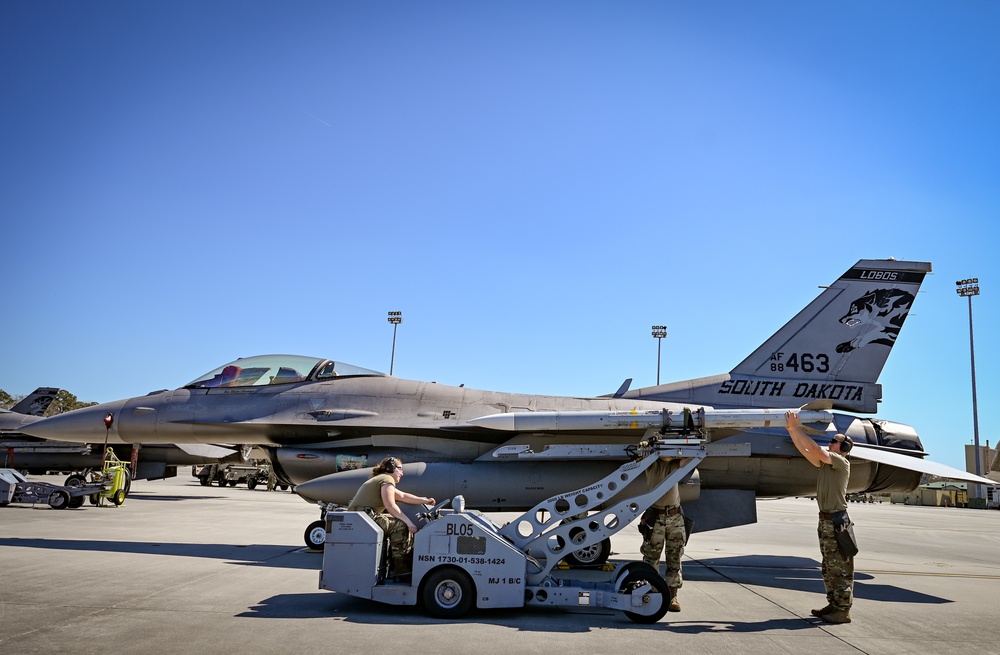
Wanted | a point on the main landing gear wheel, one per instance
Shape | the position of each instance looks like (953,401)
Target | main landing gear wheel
(447,592)
(636,575)
(316,535)
(75,480)
(593,555)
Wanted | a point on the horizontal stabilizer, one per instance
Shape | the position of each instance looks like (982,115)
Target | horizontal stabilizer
(916,464)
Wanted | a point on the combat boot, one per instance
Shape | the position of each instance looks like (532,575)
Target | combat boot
(826,610)
(837,616)
(675,605)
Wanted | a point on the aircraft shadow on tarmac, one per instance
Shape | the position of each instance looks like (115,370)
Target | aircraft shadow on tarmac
(796,573)
(247,555)
(326,605)
(134,496)
(329,605)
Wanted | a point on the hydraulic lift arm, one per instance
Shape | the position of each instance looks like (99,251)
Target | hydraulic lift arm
(560,524)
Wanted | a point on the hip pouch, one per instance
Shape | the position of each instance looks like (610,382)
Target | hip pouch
(843,531)
(646,522)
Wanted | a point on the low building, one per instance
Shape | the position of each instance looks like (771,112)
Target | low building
(936,494)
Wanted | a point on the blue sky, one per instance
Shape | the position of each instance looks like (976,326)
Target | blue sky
(533,184)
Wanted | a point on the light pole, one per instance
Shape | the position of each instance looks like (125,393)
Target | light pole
(969,288)
(659,331)
(395,318)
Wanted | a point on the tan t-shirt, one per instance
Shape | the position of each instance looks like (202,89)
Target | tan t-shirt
(831,486)
(370,493)
(655,474)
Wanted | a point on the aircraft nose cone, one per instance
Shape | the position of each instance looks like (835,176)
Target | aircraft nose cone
(80,425)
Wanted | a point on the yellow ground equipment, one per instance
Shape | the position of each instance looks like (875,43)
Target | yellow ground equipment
(115,478)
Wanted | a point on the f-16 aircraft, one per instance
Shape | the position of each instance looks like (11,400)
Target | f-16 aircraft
(38,456)
(325,423)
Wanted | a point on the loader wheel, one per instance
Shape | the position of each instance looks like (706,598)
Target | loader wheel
(252,483)
(59,499)
(636,575)
(76,502)
(593,555)
(316,535)
(118,498)
(448,592)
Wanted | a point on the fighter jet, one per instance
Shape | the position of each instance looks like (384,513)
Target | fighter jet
(325,423)
(36,456)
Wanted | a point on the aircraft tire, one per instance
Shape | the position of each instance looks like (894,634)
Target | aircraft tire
(75,480)
(594,555)
(315,535)
(59,499)
(448,592)
(638,573)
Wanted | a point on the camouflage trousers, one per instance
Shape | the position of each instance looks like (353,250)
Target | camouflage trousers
(400,542)
(667,536)
(838,571)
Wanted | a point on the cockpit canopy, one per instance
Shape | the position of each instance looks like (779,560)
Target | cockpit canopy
(276,369)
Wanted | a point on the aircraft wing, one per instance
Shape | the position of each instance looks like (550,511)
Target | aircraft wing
(916,464)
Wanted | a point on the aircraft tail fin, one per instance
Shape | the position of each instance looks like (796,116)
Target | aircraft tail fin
(35,403)
(831,353)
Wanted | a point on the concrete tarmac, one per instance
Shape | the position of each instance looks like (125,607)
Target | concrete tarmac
(182,568)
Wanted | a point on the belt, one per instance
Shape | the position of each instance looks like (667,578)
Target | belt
(828,516)
(667,511)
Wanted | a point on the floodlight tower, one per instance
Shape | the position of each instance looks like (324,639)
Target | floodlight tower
(395,318)
(659,331)
(968,288)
